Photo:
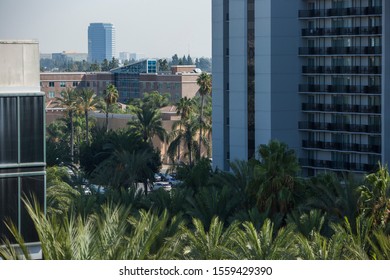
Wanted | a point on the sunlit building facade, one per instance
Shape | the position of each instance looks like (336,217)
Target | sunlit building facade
(310,73)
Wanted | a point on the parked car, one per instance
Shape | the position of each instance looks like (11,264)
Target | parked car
(165,185)
(157,177)
(170,179)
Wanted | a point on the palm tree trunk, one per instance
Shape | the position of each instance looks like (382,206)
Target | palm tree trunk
(107,118)
(146,187)
(189,153)
(200,127)
(178,148)
(71,136)
(86,127)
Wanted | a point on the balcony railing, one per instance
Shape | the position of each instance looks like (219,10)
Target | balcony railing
(369,70)
(342,165)
(350,31)
(363,128)
(342,146)
(341,108)
(340,50)
(339,89)
(353,11)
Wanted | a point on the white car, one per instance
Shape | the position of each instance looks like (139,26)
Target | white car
(171,180)
(165,185)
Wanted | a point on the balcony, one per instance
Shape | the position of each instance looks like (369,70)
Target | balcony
(341,51)
(359,128)
(358,11)
(349,31)
(339,89)
(341,108)
(342,165)
(358,70)
(375,149)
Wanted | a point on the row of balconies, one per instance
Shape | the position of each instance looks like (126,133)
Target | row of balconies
(340,50)
(341,108)
(363,128)
(364,148)
(370,70)
(339,89)
(337,165)
(341,12)
(376,30)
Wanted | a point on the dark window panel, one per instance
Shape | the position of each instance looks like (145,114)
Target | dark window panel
(8,130)
(8,204)
(33,186)
(31,129)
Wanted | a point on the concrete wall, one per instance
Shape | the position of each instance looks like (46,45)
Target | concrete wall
(218,80)
(277,72)
(19,66)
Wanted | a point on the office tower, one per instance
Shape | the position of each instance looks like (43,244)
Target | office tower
(22,138)
(309,73)
(101,42)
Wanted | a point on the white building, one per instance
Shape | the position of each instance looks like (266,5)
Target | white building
(310,73)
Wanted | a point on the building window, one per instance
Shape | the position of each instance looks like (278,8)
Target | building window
(52,94)
(22,128)
(177,85)
(31,185)
(62,84)
(31,129)
(75,84)
(8,130)
(8,202)
(51,84)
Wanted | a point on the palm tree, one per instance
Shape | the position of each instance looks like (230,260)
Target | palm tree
(147,123)
(275,179)
(184,131)
(210,202)
(214,244)
(184,108)
(68,100)
(334,195)
(204,82)
(108,234)
(111,96)
(375,197)
(264,244)
(87,102)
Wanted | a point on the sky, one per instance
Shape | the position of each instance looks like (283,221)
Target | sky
(156,28)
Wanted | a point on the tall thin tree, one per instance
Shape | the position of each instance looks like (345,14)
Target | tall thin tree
(111,96)
(87,102)
(204,82)
(67,100)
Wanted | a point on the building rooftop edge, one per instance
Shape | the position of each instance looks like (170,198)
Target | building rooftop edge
(19,41)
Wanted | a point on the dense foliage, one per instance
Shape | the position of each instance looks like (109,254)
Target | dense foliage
(262,209)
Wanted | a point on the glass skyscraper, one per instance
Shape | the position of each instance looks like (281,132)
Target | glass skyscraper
(101,42)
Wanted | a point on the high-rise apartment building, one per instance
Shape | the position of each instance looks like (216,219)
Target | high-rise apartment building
(101,42)
(22,138)
(310,73)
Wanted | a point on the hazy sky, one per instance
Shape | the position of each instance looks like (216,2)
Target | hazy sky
(156,28)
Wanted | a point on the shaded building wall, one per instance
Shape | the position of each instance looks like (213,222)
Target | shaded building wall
(22,134)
